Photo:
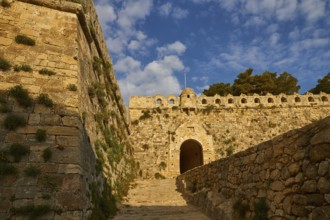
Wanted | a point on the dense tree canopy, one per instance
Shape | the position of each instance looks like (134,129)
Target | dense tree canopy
(247,83)
(322,86)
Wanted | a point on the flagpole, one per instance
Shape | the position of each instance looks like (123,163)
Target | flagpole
(185,80)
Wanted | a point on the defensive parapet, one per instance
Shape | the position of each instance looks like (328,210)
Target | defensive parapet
(188,99)
(166,130)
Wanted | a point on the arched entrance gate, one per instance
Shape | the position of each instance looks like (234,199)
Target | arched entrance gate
(191,155)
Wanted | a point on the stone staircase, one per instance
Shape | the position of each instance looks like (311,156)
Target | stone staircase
(156,199)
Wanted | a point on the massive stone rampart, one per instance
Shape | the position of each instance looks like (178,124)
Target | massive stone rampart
(287,177)
(162,126)
(75,147)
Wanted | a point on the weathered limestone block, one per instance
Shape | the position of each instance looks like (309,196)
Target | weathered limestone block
(294,169)
(323,185)
(309,186)
(321,213)
(34,119)
(321,137)
(71,121)
(71,182)
(310,171)
(323,168)
(68,141)
(315,199)
(299,199)
(25,192)
(299,178)
(72,215)
(319,152)
(5,41)
(69,155)
(13,137)
(51,119)
(70,200)
(70,169)
(299,210)
(277,186)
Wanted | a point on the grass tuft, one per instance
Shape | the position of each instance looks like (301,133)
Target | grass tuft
(5,4)
(12,122)
(41,135)
(48,72)
(32,171)
(21,95)
(24,67)
(45,100)
(31,211)
(47,154)
(4,64)
(23,39)
(17,151)
(72,87)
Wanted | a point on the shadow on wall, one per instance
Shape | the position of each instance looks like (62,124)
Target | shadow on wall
(285,178)
(160,212)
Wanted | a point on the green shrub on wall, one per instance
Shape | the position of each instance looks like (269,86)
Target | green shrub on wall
(12,122)
(21,95)
(32,171)
(72,87)
(23,39)
(4,64)
(240,208)
(31,211)
(5,4)
(45,100)
(17,151)
(24,67)
(47,154)
(4,106)
(260,209)
(7,169)
(41,135)
(48,72)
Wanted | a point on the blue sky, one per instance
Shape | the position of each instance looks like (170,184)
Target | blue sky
(153,44)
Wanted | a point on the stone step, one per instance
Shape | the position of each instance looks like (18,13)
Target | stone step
(156,199)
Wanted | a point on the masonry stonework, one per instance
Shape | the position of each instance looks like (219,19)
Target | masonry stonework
(220,125)
(287,177)
(86,128)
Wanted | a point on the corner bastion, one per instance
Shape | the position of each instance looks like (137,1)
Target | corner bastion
(64,148)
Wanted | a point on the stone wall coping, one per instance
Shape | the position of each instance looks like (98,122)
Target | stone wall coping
(231,101)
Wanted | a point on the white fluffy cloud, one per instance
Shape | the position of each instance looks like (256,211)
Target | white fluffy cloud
(106,13)
(175,48)
(282,10)
(167,10)
(122,25)
(313,9)
(156,77)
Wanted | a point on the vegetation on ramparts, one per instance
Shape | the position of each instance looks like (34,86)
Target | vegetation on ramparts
(267,82)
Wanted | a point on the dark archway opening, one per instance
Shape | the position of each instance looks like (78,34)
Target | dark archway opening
(191,155)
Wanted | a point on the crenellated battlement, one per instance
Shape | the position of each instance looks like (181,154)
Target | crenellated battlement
(230,101)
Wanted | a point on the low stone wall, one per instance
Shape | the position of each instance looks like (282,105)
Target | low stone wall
(284,178)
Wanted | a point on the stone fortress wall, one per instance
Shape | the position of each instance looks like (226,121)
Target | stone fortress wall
(287,177)
(230,101)
(220,126)
(86,127)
